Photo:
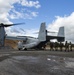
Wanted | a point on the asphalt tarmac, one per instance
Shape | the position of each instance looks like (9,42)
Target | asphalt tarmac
(14,62)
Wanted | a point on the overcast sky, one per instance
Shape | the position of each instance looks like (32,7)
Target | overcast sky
(55,13)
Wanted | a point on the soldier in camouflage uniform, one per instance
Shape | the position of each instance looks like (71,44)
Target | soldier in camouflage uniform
(51,46)
(66,46)
(61,46)
(70,46)
(56,46)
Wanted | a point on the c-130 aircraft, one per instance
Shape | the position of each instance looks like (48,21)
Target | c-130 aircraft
(31,42)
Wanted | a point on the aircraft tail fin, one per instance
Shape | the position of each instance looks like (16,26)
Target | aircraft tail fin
(42,32)
(61,34)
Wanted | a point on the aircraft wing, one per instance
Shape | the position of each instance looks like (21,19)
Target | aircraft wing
(15,38)
(59,38)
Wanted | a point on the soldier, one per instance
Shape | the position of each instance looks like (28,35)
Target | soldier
(70,46)
(66,46)
(61,46)
(51,46)
(56,46)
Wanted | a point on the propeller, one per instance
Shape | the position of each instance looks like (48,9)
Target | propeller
(50,31)
(46,32)
(22,29)
(7,25)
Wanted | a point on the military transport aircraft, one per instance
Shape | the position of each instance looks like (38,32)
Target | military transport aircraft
(31,42)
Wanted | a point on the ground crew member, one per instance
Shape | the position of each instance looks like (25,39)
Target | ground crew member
(51,46)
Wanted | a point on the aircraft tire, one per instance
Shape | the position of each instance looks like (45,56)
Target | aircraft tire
(25,49)
(19,48)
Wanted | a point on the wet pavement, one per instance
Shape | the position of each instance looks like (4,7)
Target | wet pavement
(41,63)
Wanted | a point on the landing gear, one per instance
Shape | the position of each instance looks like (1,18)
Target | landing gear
(19,48)
(25,49)
(22,49)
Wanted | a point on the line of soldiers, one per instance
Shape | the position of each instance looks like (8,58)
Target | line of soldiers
(61,46)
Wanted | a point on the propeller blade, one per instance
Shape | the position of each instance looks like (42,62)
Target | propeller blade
(46,32)
(22,29)
(51,32)
(36,32)
(14,24)
(7,25)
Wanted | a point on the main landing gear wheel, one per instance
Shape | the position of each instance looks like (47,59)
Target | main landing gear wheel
(19,48)
(25,49)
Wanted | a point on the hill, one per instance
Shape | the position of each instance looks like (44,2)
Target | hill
(11,43)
